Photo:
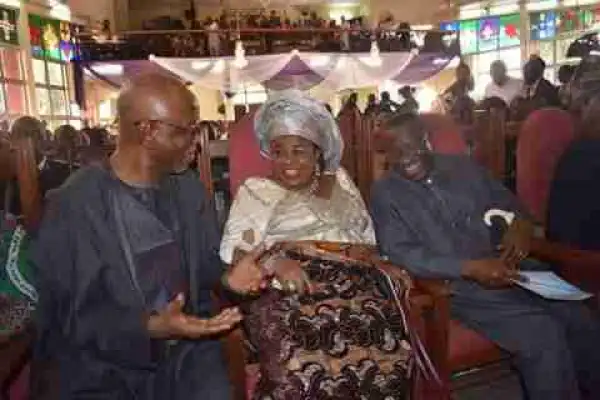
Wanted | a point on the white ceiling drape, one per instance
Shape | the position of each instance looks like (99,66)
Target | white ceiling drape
(332,71)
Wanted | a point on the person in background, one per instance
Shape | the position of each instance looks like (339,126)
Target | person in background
(455,100)
(350,105)
(64,159)
(98,146)
(214,38)
(537,88)
(410,105)
(502,85)
(463,84)
(565,73)
(386,104)
(274,20)
(126,263)
(372,105)
(430,216)
(345,35)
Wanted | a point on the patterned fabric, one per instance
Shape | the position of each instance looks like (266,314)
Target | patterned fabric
(292,112)
(345,340)
(17,294)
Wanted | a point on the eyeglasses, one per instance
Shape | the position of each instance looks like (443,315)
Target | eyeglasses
(182,129)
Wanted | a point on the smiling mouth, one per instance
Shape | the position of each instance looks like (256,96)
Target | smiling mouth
(291,173)
(412,167)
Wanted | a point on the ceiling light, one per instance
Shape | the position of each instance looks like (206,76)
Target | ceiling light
(108,69)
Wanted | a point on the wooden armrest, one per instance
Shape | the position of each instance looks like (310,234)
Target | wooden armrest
(436,288)
(437,323)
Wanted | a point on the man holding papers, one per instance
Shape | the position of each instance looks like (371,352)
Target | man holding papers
(430,215)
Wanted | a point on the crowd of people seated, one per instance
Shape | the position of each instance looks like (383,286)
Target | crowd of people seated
(263,33)
(58,154)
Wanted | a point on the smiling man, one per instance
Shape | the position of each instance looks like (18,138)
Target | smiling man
(429,215)
(127,259)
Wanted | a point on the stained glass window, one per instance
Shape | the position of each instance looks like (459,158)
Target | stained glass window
(450,26)
(488,33)
(566,21)
(510,34)
(542,25)
(52,47)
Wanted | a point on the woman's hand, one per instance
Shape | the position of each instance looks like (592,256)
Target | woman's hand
(245,276)
(172,323)
(291,276)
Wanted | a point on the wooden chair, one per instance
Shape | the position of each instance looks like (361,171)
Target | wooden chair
(15,350)
(429,300)
(349,122)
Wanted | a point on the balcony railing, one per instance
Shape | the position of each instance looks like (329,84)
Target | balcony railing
(139,45)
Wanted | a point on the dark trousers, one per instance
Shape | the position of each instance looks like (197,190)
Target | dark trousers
(195,371)
(554,343)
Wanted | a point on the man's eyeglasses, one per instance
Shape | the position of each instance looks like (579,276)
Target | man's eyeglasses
(183,129)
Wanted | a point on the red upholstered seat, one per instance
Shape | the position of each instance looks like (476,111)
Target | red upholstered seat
(543,139)
(444,134)
(244,158)
(468,349)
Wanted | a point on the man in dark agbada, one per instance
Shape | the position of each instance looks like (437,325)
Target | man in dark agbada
(127,256)
(429,215)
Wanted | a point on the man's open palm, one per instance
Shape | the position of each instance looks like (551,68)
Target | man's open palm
(172,323)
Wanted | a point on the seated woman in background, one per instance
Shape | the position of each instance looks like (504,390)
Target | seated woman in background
(341,338)
(308,195)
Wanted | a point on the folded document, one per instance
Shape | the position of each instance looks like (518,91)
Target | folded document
(550,286)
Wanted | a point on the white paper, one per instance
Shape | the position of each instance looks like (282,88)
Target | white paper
(550,286)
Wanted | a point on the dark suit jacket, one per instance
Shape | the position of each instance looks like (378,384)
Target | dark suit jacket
(90,314)
(546,94)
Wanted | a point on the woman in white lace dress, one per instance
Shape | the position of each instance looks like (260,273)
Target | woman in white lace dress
(308,196)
